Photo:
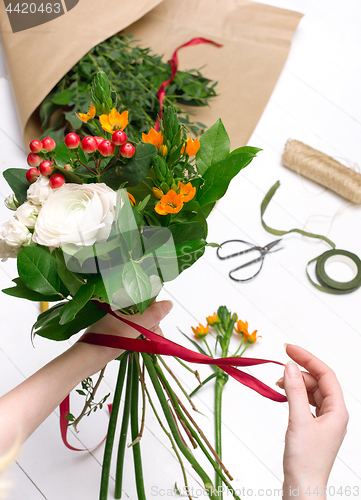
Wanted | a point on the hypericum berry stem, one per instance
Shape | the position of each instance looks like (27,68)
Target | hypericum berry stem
(90,170)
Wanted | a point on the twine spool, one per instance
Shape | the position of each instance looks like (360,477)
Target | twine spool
(322,169)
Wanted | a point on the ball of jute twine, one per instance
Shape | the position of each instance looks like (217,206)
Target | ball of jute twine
(322,169)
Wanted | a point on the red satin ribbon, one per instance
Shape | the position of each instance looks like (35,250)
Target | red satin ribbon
(174,67)
(157,344)
(160,345)
(64,410)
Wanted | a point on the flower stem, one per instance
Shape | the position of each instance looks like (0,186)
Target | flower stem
(220,383)
(178,383)
(172,442)
(168,415)
(202,384)
(195,373)
(134,428)
(123,436)
(104,483)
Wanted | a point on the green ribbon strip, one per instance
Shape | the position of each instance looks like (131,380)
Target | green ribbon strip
(327,284)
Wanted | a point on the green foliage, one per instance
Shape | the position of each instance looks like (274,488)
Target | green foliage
(16,178)
(38,270)
(218,176)
(71,280)
(23,292)
(137,285)
(48,323)
(134,170)
(215,146)
(71,309)
(135,76)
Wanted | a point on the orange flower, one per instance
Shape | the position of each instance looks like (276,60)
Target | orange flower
(242,328)
(200,331)
(191,147)
(213,320)
(114,121)
(132,199)
(153,137)
(158,193)
(85,117)
(187,191)
(170,203)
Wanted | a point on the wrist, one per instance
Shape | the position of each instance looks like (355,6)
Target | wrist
(92,358)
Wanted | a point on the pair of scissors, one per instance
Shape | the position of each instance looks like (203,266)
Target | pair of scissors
(263,251)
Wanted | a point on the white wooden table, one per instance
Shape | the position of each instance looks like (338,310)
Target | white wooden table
(317,100)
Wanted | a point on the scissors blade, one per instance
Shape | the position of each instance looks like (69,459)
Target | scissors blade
(269,247)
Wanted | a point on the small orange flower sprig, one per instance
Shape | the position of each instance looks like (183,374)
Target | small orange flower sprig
(224,323)
(173,173)
(241,328)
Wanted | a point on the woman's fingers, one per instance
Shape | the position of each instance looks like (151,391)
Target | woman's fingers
(152,316)
(296,394)
(329,392)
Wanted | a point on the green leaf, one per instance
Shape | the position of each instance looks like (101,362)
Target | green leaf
(141,206)
(71,280)
(74,121)
(70,176)
(215,146)
(183,232)
(47,316)
(125,218)
(218,176)
(23,292)
(16,178)
(137,284)
(37,268)
(62,154)
(135,170)
(63,98)
(72,308)
(53,330)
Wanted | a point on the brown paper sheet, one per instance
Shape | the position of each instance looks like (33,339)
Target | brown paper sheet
(256,40)
(39,57)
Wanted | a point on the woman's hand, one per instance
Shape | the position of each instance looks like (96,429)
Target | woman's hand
(312,442)
(109,325)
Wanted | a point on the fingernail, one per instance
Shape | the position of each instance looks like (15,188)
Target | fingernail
(279,381)
(286,345)
(292,369)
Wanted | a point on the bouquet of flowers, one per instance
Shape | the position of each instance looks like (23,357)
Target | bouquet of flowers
(100,220)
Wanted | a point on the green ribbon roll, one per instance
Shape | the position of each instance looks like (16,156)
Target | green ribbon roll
(326,284)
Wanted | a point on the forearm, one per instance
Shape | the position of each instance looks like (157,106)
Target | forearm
(304,490)
(24,408)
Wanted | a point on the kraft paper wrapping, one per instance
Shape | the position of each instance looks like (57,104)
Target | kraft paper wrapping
(256,40)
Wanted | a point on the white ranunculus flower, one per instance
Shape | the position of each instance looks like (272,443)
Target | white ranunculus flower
(39,191)
(13,235)
(76,214)
(27,213)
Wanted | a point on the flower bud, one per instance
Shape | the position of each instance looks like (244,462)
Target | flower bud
(158,193)
(163,150)
(160,168)
(11,202)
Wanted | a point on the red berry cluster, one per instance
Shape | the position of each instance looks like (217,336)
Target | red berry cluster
(89,144)
(105,147)
(45,166)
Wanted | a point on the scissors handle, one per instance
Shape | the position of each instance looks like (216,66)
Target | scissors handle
(253,247)
(230,274)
